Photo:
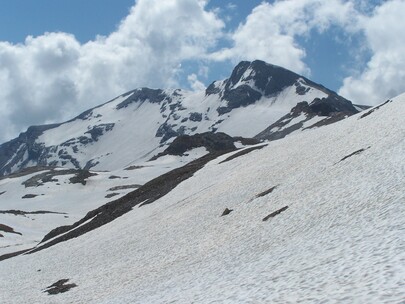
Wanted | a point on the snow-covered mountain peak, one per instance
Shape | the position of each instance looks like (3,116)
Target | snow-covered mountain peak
(146,94)
(253,81)
(141,123)
(268,79)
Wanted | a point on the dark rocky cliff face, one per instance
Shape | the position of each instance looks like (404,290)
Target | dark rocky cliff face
(141,95)
(12,152)
(269,79)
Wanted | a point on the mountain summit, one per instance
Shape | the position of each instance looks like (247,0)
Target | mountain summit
(250,81)
(140,124)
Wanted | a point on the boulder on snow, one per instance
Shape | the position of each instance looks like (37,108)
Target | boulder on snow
(273,214)
(59,287)
(226,211)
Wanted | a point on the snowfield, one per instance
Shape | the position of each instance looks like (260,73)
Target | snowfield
(132,139)
(341,239)
(70,202)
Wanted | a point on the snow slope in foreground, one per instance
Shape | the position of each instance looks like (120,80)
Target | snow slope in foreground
(341,240)
(55,201)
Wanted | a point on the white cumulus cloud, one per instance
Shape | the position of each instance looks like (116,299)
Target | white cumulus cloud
(274,32)
(53,77)
(194,83)
(270,32)
(384,75)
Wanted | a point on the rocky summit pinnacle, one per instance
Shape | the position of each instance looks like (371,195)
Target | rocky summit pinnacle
(251,81)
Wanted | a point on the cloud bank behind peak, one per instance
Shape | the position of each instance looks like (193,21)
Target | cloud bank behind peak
(53,77)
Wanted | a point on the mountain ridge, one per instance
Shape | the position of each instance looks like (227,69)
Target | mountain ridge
(256,95)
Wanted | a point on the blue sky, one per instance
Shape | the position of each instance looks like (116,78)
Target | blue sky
(58,58)
(85,19)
